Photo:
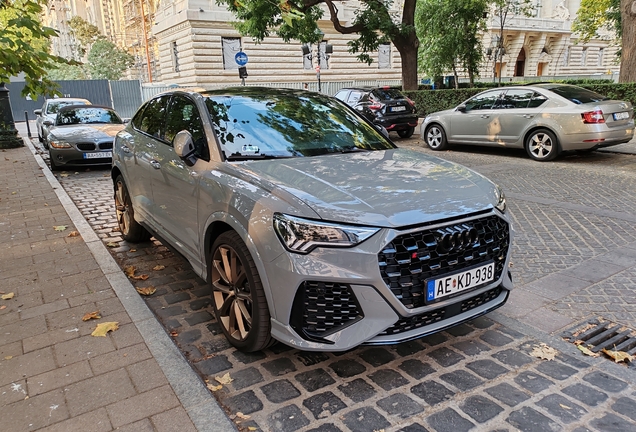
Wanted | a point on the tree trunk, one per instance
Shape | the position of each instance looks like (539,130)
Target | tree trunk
(628,50)
(408,46)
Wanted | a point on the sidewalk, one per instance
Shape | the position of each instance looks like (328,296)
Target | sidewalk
(55,376)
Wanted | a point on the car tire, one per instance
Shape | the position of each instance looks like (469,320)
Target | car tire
(40,136)
(406,133)
(54,166)
(435,137)
(542,145)
(130,229)
(239,305)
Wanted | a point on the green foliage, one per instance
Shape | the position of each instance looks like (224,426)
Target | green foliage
(69,72)
(24,46)
(85,33)
(594,15)
(106,61)
(448,32)
(428,102)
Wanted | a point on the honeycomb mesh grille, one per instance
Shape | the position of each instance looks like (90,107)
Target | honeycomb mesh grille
(328,306)
(410,259)
(431,317)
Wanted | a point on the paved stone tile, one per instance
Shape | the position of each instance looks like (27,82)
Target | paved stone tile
(415,427)
(82,348)
(388,379)
(527,419)
(314,379)
(96,421)
(563,408)
(172,420)
(487,368)
(280,391)
(35,412)
(446,357)
(322,405)
(142,405)
(146,375)
(99,391)
(400,405)
(214,365)
(556,370)
(612,423)
(533,382)
(507,394)
(432,392)
(585,394)
(365,419)
(416,369)
(376,356)
(27,365)
(513,358)
(59,377)
(246,377)
(246,402)
(408,348)
(119,358)
(449,420)
(309,358)
(279,366)
(327,427)
(347,368)
(481,409)
(626,407)
(462,379)
(287,419)
(23,329)
(357,390)
(470,347)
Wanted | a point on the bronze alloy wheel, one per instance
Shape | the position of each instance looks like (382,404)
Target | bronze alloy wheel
(237,295)
(130,230)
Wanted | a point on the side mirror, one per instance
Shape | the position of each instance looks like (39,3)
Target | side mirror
(37,112)
(125,120)
(184,147)
(47,123)
(461,108)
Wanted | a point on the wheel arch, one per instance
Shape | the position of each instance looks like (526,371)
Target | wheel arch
(540,127)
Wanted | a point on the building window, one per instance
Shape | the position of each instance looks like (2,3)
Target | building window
(384,56)
(230,47)
(175,56)
(600,56)
(584,57)
(307,58)
(323,55)
(566,56)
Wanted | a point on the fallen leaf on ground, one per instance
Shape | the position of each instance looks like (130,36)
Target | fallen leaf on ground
(91,315)
(242,416)
(583,330)
(104,328)
(564,406)
(214,388)
(252,428)
(8,296)
(225,379)
(130,270)
(587,351)
(63,175)
(3,307)
(149,290)
(618,356)
(174,333)
(140,277)
(8,357)
(13,193)
(112,245)
(543,351)
(133,250)
(73,234)
(60,227)
(158,267)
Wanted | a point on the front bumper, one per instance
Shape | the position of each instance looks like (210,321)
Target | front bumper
(335,299)
(75,157)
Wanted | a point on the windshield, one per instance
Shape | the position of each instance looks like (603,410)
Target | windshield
(386,94)
(578,95)
(54,107)
(87,116)
(253,125)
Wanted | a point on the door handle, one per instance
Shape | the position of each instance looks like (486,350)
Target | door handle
(125,149)
(528,116)
(485,116)
(155,164)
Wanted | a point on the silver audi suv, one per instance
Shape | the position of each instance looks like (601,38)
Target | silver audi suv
(311,226)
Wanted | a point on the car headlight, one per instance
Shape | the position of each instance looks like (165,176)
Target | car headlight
(501,199)
(302,236)
(58,144)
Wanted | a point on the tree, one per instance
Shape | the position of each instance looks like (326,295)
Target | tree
(374,23)
(449,34)
(628,50)
(106,61)
(505,10)
(594,15)
(24,46)
(69,72)
(85,33)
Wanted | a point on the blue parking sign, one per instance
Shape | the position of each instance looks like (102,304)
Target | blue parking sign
(240,58)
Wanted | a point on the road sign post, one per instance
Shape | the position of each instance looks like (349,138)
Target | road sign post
(241,60)
(318,76)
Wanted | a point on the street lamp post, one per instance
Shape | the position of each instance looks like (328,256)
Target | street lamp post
(320,56)
(8,133)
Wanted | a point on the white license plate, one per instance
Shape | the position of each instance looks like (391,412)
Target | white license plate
(458,282)
(398,108)
(98,155)
(621,116)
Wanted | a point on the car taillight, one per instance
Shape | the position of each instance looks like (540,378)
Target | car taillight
(593,117)
(411,102)
(375,106)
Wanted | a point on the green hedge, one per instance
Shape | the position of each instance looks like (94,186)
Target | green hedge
(430,101)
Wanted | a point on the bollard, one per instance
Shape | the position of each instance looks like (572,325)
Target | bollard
(26,118)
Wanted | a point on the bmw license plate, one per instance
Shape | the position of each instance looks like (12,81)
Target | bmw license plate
(621,116)
(398,108)
(98,155)
(437,289)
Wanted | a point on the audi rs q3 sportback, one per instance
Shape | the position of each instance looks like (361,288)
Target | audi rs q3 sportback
(311,226)
(545,119)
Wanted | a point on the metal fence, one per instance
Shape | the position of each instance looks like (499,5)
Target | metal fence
(126,96)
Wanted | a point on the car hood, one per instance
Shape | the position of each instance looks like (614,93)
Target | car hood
(390,188)
(74,133)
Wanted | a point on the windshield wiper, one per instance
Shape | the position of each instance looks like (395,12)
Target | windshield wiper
(353,150)
(240,157)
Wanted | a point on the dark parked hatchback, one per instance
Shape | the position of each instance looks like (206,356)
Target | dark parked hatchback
(384,106)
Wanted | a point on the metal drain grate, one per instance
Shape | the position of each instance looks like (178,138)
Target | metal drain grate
(599,333)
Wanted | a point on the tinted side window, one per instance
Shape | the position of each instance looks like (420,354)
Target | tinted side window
(184,115)
(515,99)
(136,120)
(342,95)
(152,120)
(354,97)
(578,95)
(483,101)
(537,100)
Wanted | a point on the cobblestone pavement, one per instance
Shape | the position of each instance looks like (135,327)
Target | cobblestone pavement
(569,216)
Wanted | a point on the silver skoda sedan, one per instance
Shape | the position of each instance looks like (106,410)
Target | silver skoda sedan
(312,228)
(545,119)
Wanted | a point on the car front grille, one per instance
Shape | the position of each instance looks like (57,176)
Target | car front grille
(436,315)
(86,146)
(411,259)
(322,308)
(95,146)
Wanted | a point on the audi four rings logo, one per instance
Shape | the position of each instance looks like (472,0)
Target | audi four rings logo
(456,238)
